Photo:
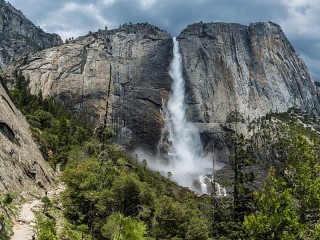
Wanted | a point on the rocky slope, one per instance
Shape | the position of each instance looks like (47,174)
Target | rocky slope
(233,74)
(21,163)
(20,36)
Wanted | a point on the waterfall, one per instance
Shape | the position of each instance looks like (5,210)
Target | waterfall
(204,187)
(184,137)
(186,162)
(185,153)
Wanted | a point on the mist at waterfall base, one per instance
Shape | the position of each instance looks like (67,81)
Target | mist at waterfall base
(185,162)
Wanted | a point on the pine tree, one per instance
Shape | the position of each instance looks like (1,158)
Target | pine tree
(242,194)
(288,205)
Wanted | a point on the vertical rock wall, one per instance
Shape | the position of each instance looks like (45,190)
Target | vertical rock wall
(251,70)
(123,70)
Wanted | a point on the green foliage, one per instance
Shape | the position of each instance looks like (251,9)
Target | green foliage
(52,126)
(33,121)
(5,227)
(169,219)
(81,134)
(7,206)
(103,185)
(276,216)
(70,232)
(7,210)
(119,227)
(173,219)
(229,211)
(130,194)
(44,118)
(48,141)
(8,198)
(105,134)
(242,158)
(100,186)
(302,175)
(46,204)
(288,205)
(46,227)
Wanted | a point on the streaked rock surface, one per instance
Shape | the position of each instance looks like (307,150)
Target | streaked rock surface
(22,166)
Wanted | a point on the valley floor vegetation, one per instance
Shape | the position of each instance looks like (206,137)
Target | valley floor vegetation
(109,195)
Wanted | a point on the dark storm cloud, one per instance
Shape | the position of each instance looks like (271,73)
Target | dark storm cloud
(300,19)
(175,15)
(167,14)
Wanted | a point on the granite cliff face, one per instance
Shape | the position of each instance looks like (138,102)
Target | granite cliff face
(21,163)
(19,36)
(234,71)
(237,73)
(233,74)
(118,76)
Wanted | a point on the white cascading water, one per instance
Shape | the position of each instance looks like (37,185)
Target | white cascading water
(186,156)
(187,162)
(204,187)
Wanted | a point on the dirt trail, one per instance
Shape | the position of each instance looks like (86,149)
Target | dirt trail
(24,227)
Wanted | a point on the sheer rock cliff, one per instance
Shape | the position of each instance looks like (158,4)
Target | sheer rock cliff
(251,70)
(233,74)
(19,36)
(237,73)
(118,76)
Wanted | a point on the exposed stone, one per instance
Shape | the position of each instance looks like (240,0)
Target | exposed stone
(248,69)
(21,163)
(19,36)
(236,73)
(125,70)
(233,74)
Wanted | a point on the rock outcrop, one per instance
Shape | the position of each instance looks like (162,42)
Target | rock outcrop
(19,36)
(233,74)
(238,73)
(118,76)
(21,163)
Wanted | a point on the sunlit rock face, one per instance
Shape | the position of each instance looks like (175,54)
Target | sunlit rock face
(236,73)
(22,166)
(249,69)
(20,36)
(121,75)
(233,73)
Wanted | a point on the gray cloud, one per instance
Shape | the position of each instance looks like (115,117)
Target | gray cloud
(300,19)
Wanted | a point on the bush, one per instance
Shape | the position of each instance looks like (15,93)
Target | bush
(46,227)
(119,227)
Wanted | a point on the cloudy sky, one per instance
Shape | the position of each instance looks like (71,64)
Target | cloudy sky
(299,19)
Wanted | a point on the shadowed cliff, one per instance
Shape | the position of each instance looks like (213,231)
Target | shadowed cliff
(19,36)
